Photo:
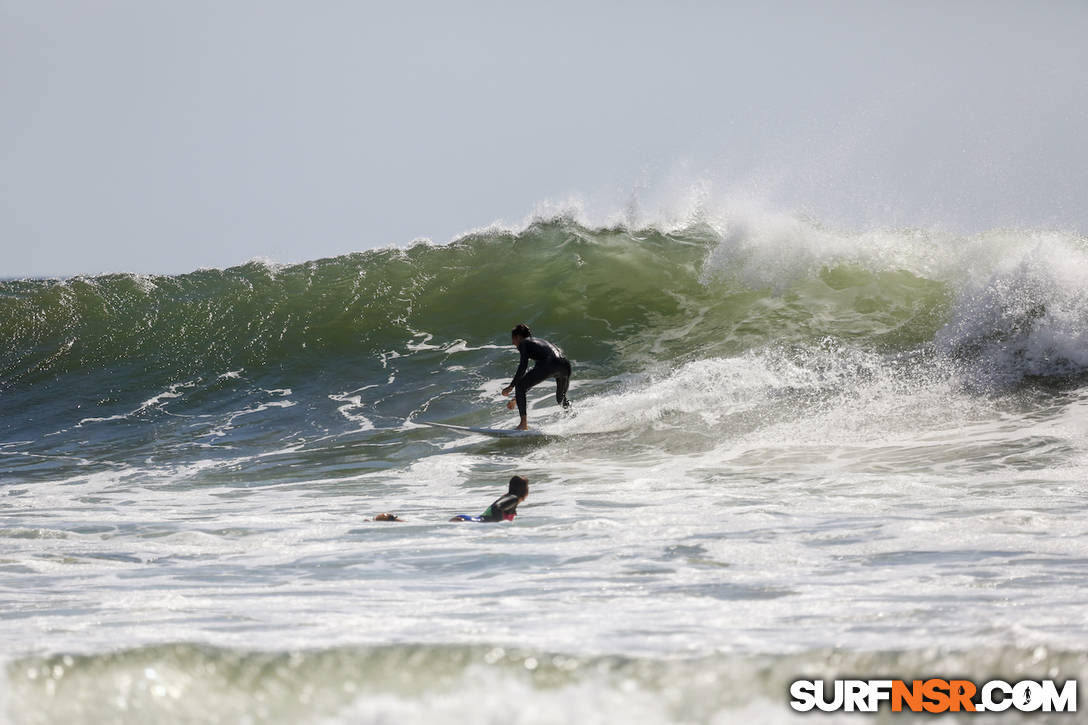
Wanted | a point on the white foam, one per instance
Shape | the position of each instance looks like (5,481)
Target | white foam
(352,404)
(154,402)
(1024,310)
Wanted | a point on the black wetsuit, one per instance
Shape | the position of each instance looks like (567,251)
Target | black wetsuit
(549,362)
(503,509)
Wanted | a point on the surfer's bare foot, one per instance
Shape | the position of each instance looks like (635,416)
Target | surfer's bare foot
(522,426)
(511,404)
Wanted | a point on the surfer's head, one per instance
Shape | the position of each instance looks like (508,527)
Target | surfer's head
(519,333)
(519,487)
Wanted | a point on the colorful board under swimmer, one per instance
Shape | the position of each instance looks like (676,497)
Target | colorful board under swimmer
(504,508)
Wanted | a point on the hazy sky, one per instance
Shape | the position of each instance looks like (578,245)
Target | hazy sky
(150,136)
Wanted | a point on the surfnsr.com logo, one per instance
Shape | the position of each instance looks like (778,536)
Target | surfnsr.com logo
(933,695)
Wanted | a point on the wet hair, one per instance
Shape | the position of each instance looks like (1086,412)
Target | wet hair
(521,330)
(519,486)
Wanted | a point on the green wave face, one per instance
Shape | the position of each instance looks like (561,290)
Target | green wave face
(642,294)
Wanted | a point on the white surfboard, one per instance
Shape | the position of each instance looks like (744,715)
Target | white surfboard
(493,432)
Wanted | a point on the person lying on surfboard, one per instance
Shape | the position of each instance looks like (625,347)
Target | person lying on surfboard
(504,508)
(549,362)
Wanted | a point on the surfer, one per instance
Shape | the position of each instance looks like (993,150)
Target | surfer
(504,508)
(549,362)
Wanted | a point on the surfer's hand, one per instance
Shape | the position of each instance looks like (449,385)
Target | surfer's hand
(511,404)
(507,389)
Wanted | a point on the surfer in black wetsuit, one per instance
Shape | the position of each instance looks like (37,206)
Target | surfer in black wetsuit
(549,362)
(504,508)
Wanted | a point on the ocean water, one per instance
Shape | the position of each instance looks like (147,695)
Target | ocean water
(794,453)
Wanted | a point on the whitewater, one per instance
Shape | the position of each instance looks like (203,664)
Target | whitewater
(795,452)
